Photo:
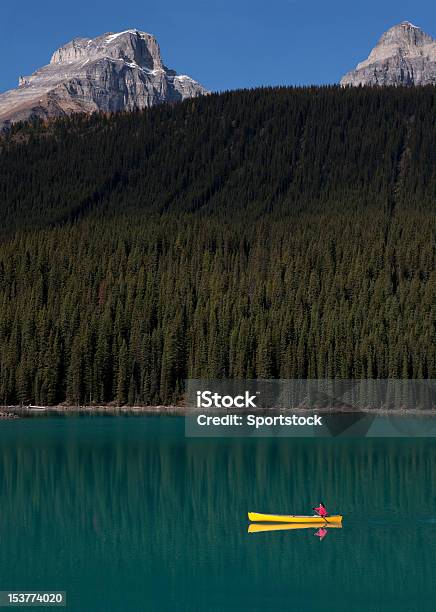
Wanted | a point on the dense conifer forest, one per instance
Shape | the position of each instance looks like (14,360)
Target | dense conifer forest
(270,233)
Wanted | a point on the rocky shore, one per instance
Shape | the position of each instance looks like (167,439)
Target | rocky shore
(17,412)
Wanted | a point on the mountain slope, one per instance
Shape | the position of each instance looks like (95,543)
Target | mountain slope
(113,72)
(268,233)
(404,55)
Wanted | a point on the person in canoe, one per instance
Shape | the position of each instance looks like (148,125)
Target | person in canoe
(321,510)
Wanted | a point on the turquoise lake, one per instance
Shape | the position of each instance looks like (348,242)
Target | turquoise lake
(128,514)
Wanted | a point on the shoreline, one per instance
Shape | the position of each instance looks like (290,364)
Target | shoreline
(32,411)
(16,412)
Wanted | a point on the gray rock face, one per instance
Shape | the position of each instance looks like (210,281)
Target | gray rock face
(404,55)
(113,72)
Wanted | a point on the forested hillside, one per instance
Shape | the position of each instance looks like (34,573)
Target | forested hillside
(267,233)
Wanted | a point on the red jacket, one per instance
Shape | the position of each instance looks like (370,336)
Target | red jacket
(321,510)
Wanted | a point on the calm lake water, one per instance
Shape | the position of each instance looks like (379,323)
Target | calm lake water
(127,514)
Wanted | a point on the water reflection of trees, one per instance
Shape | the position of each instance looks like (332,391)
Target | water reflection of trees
(149,501)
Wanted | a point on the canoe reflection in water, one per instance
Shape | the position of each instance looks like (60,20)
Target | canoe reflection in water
(321,532)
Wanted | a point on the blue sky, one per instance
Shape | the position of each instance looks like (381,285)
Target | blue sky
(224,44)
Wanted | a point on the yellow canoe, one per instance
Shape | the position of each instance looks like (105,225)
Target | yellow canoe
(258,527)
(292,518)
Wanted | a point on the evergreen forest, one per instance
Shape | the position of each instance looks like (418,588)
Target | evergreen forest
(266,233)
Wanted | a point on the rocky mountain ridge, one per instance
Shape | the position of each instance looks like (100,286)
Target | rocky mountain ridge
(404,55)
(112,72)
